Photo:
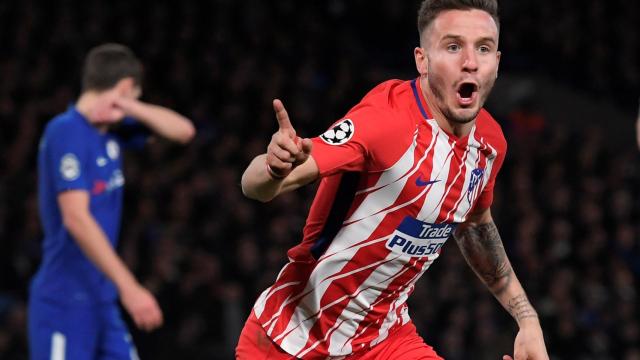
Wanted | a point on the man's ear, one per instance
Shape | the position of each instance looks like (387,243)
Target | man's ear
(498,56)
(422,62)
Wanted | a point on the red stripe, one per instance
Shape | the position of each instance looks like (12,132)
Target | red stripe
(455,181)
(365,182)
(345,286)
(328,318)
(411,190)
(384,302)
(293,272)
(450,214)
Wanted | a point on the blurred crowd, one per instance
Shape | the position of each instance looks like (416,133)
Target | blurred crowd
(567,200)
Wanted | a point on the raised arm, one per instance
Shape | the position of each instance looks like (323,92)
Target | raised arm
(162,121)
(482,248)
(285,166)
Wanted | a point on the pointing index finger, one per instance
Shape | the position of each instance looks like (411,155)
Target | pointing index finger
(281,115)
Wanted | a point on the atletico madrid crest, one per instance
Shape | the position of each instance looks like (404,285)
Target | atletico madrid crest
(476,177)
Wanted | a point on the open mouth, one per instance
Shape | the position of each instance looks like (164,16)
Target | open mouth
(467,93)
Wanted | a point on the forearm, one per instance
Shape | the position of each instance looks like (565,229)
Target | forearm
(162,121)
(94,244)
(483,250)
(256,182)
(259,185)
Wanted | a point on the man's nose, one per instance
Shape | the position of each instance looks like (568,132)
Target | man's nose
(470,61)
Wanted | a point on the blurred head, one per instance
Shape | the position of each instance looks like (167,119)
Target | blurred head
(458,55)
(111,66)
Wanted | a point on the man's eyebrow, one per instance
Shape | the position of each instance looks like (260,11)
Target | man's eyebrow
(487,39)
(451,37)
(484,39)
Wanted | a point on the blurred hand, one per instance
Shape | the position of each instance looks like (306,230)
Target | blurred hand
(107,110)
(142,306)
(286,150)
(529,344)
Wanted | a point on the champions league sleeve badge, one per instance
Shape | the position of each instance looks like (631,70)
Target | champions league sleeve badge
(339,133)
(69,167)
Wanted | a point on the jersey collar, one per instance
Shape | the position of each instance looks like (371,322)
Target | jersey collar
(420,101)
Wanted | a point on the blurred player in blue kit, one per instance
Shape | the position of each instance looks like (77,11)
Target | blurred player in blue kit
(73,309)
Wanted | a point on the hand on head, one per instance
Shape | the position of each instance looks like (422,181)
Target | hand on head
(107,109)
(286,150)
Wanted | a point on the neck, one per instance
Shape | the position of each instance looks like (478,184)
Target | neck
(450,126)
(86,105)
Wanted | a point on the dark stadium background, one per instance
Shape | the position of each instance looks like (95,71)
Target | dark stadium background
(567,200)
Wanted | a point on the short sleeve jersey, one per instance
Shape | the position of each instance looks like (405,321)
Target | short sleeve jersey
(74,155)
(393,187)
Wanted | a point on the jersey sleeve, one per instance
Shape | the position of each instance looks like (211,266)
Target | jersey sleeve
(131,134)
(347,144)
(486,196)
(68,158)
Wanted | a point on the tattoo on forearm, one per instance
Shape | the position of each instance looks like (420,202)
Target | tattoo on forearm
(482,248)
(520,308)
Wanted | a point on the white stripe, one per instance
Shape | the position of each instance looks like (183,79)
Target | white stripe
(359,305)
(303,321)
(453,182)
(258,307)
(353,247)
(349,323)
(404,291)
(396,171)
(392,315)
(318,282)
(380,215)
(382,198)
(463,165)
(461,212)
(395,178)
(471,162)
(58,346)
(264,297)
(440,171)
(275,316)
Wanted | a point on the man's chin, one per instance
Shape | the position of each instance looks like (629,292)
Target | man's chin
(463,116)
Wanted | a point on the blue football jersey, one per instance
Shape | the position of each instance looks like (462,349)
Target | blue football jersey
(74,155)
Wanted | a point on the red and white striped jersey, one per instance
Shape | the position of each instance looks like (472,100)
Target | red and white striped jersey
(393,187)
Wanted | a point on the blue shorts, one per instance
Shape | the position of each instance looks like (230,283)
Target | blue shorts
(59,331)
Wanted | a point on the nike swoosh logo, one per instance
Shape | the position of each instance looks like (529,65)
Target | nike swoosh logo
(421,182)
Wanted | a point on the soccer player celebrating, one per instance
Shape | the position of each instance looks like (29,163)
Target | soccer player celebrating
(413,164)
(73,312)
